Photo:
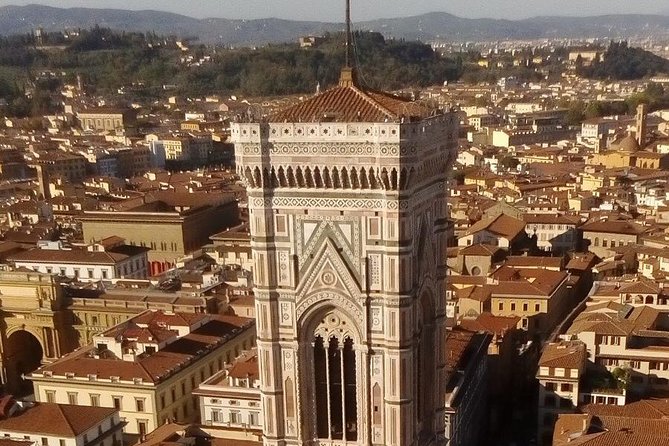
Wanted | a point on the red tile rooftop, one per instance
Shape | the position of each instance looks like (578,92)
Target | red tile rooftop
(351,104)
(152,368)
(61,420)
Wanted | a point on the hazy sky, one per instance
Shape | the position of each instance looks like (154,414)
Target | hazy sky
(331,10)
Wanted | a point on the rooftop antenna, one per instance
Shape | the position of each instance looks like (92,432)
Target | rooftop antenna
(348,34)
(348,75)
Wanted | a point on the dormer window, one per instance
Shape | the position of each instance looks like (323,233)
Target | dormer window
(150,350)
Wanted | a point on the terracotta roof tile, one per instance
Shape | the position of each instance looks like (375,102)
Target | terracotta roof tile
(56,419)
(502,224)
(566,354)
(490,323)
(534,261)
(350,104)
(480,250)
(155,367)
(614,227)
(245,366)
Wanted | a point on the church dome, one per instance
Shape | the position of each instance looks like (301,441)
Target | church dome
(628,144)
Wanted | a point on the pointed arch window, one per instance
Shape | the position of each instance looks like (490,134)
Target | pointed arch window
(335,387)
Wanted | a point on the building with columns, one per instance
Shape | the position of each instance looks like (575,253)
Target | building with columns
(347,214)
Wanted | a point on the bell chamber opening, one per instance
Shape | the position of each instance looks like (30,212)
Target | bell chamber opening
(335,388)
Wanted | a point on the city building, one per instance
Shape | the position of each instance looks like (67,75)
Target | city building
(58,164)
(232,247)
(49,424)
(603,236)
(560,369)
(101,119)
(231,398)
(94,311)
(630,338)
(186,147)
(199,434)
(146,367)
(554,233)
(644,422)
(539,297)
(500,230)
(347,214)
(34,325)
(171,224)
(466,378)
(107,259)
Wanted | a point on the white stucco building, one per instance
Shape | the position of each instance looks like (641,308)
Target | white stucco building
(106,260)
(231,398)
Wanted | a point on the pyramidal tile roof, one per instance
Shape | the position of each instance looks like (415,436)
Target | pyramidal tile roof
(349,102)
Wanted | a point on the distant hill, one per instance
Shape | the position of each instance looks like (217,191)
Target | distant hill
(438,25)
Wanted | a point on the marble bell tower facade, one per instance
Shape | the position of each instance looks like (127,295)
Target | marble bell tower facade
(347,214)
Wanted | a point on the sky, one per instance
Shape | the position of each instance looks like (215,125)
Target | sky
(332,10)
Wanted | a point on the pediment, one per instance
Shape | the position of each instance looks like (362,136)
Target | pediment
(328,271)
(312,233)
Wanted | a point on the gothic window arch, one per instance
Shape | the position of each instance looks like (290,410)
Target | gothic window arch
(345,180)
(332,336)
(274,180)
(403,179)
(385,179)
(364,183)
(336,182)
(301,182)
(249,177)
(372,179)
(309,180)
(327,180)
(266,182)
(282,178)
(291,177)
(318,180)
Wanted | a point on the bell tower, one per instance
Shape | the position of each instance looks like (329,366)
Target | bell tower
(347,213)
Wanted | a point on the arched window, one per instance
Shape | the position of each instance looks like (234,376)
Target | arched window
(335,381)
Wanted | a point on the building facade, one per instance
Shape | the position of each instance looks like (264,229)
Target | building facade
(105,260)
(107,119)
(560,369)
(34,325)
(60,425)
(231,398)
(347,213)
(466,388)
(146,367)
(171,224)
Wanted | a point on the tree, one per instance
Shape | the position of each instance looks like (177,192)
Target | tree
(622,377)
(509,162)
(575,113)
(622,62)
